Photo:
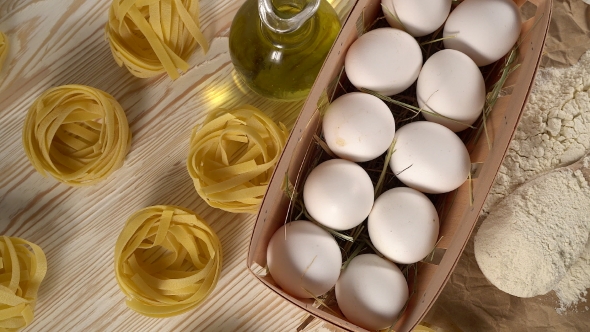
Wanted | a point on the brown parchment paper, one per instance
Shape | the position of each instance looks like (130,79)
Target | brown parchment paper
(469,302)
(569,33)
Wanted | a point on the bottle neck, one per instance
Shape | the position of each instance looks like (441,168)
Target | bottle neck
(285,16)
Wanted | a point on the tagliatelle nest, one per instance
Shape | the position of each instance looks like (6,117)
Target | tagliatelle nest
(150,37)
(3,49)
(232,157)
(167,261)
(22,268)
(76,133)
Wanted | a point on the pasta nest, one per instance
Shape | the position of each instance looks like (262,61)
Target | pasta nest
(22,268)
(77,134)
(167,261)
(232,156)
(150,37)
(3,49)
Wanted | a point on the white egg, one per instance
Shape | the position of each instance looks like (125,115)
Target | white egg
(384,60)
(417,17)
(338,194)
(485,30)
(371,292)
(303,259)
(358,127)
(403,225)
(451,84)
(429,157)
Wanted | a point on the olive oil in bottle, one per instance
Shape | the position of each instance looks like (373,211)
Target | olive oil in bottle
(278,46)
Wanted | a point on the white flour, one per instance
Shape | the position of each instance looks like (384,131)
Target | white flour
(554,131)
(532,237)
(575,283)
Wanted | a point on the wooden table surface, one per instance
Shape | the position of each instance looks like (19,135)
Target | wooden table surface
(58,42)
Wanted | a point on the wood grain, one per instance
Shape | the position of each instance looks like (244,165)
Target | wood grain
(57,42)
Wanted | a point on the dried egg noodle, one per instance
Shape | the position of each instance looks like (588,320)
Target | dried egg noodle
(232,157)
(76,133)
(22,268)
(167,260)
(3,49)
(150,37)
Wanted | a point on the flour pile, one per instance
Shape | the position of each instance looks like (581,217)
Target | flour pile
(574,285)
(554,132)
(531,238)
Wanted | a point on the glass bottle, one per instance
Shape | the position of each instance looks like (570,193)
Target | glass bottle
(278,46)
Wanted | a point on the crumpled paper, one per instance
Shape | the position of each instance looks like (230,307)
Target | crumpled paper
(569,33)
(471,303)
